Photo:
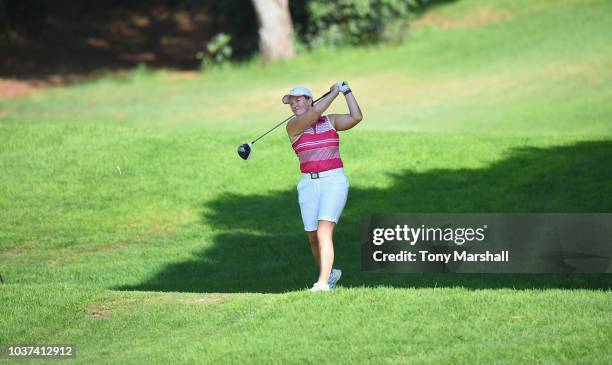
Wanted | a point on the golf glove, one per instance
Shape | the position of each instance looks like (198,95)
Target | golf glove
(343,87)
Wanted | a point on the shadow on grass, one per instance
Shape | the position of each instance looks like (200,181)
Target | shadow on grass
(261,247)
(62,42)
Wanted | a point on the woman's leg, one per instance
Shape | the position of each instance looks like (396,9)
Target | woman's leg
(314,246)
(325,233)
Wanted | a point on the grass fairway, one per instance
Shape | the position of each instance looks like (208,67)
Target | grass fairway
(131,228)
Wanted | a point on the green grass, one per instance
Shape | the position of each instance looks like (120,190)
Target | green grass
(193,255)
(375,325)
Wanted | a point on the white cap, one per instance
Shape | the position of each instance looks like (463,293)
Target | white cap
(297,91)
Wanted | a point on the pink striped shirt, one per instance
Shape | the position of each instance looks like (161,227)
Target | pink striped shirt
(318,148)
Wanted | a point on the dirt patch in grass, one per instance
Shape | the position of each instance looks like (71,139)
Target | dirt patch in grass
(13,88)
(24,247)
(99,310)
(182,299)
(593,72)
(4,112)
(208,299)
(477,18)
(105,309)
(182,75)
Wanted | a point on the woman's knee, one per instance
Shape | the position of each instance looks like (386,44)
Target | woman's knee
(325,230)
(313,238)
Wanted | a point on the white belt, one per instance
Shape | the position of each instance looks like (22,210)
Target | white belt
(318,175)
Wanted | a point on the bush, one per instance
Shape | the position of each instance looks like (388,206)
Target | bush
(352,22)
(218,51)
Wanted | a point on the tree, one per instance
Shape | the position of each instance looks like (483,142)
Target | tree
(275,30)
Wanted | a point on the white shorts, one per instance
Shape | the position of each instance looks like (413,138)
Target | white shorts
(323,198)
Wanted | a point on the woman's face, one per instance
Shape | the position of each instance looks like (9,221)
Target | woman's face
(299,104)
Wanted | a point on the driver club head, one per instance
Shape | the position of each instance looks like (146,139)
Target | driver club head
(244,150)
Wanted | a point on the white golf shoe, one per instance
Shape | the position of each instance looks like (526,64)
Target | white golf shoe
(319,287)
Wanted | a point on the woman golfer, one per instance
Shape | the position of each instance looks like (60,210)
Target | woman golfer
(323,188)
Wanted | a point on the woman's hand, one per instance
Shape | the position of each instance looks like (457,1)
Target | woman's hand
(343,87)
(334,89)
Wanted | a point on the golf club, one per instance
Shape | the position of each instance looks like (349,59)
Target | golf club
(245,150)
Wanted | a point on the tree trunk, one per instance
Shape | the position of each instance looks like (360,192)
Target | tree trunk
(275,30)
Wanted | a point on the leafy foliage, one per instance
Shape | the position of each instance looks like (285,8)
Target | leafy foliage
(354,22)
(218,51)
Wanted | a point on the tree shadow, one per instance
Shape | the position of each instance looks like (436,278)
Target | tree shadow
(68,41)
(260,245)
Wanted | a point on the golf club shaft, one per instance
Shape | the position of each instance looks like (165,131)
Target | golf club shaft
(276,126)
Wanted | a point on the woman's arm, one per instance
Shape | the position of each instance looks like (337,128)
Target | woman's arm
(297,125)
(343,122)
